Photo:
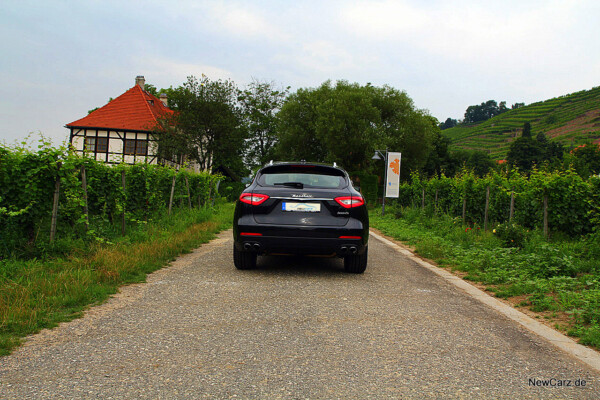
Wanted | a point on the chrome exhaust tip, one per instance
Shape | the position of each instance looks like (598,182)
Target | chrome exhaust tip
(256,246)
(353,250)
(343,249)
(247,246)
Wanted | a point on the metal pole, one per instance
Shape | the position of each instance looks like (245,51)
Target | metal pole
(385,165)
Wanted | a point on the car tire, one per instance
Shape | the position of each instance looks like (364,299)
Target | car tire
(244,259)
(356,264)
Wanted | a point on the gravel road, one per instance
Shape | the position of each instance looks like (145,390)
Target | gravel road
(294,328)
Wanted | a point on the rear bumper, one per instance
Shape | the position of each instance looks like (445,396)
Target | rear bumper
(306,246)
(313,240)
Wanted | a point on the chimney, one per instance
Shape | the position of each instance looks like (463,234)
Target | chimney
(139,80)
(163,98)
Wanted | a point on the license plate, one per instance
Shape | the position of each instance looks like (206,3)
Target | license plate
(301,207)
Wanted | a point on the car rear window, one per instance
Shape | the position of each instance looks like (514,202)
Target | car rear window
(309,177)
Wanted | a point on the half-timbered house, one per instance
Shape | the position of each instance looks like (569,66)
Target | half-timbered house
(122,130)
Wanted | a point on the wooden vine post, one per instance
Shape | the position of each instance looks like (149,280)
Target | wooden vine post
(512,205)
(200,198)
(55,204)
(216,193)
(487,208)
(187,186)
(124,203)
(172,194)
(85,198)
(464,214)
(546,216)
(423,199)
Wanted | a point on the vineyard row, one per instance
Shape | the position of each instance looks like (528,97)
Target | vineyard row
(50,191)
(558,201)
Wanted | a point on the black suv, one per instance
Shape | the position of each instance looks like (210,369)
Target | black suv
(301,208)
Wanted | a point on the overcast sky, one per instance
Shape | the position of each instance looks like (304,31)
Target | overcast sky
(59,59)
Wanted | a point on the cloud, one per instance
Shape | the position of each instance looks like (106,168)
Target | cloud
(470,32)
(241,21)
(446,54)
(383,19)
(324,56)
(166,72)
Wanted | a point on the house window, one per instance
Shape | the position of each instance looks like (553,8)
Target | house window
(136,146)
(102,144)
(98,145)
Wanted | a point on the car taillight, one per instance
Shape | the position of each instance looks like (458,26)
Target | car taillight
(253,198)
(350,202)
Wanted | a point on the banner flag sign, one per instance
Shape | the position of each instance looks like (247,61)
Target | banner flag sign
(392,186)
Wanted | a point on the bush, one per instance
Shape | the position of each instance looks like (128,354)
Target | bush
(511,234)
(368,185)
(231,190)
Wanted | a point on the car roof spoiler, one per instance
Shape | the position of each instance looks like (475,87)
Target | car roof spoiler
(303,161)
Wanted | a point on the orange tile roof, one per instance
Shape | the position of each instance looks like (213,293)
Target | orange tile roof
(135,110)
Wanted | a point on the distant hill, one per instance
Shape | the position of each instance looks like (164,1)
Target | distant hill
(572,119)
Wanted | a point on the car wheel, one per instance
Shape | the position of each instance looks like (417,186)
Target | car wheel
(356,264)
(244,259)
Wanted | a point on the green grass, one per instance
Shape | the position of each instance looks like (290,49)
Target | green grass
(495,134)
(559,276)
(40,293)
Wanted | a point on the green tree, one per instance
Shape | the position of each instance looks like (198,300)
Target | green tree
(479,113)
(449,123)
(502,107)
(525,152)
(346,122)
(206,126)
(440,159)
(526,130)
(148,87)
(478,161)
(586,159)
(260,102)
(484,111)
(297,132)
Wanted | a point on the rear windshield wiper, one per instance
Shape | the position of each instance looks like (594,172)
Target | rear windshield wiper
(298,185)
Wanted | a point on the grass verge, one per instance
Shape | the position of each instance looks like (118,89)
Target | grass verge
(559,279)
(40,293)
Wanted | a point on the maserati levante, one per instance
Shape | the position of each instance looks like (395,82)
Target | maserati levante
(300,208)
